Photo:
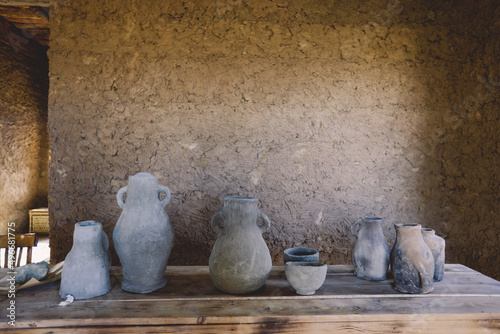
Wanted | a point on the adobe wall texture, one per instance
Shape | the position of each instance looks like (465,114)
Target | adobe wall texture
(326,112)
(23,129)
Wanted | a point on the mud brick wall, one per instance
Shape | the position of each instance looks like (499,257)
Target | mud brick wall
(325,111)
(24,148)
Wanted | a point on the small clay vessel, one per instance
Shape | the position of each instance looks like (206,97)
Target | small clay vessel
(437,246)
(143,235)
(240,261)
(412,262)
(85,272)
(305,277)
(371,252)
(301,254)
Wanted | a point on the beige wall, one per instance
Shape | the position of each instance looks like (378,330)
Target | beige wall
(325,112)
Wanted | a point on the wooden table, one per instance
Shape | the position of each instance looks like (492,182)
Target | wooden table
(464,302)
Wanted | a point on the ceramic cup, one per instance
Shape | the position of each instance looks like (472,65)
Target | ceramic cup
(305,277)
(302,254)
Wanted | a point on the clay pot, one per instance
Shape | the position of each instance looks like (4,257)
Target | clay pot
(305,277)
(143,235)
(301,254)
(85,272)
(437,246)
(371,252)
(412,262)
(240,261)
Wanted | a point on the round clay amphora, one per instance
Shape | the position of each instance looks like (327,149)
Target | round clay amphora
(85,272)
(240,261)
(371,252)
(143,235)
(437,246)
(412,262)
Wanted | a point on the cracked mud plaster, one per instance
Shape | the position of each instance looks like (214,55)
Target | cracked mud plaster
(24,148)
(326,112)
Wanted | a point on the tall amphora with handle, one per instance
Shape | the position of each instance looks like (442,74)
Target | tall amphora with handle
(143,235)
(240,261)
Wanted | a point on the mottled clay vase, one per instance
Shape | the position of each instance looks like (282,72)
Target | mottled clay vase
(437,246)
(305,277)
(371,252)
(412,262)
(143,235)
(301,254)
(85,271)
(240,261)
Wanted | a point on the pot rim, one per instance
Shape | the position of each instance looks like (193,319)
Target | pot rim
(301,251)
(240,198)
(407,225)
(86,223)
(306,264)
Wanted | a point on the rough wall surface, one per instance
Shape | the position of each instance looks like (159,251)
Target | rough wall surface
(470,150)
(325,111)
(23,129)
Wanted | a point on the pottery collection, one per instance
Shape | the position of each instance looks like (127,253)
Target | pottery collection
(412,262)
(371,252)
(143,235)
(86,268)
(240,261)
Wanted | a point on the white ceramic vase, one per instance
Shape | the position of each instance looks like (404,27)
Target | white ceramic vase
(85,271)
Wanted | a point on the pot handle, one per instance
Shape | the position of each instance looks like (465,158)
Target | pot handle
(119,196)
(215,222)
(165,190)
(105,241)
(267,222)
(355,227)
(425,281)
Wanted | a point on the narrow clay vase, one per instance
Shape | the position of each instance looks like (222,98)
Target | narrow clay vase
(85,271)
(437,246)
(371,252)
(412,262)
(240,261)
(143,235)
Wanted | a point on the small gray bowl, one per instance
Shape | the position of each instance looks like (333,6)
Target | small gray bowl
(302,254)
(305,277)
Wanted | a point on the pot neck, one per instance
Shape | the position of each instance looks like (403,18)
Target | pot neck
(87,233)
(142,187)
(236,203)
(405,231)
(428,232)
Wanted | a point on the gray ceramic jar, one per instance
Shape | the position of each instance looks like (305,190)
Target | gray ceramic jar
(437,246)
(371,252)
(240,261)
(301,254)
(412,262)
(85,272)
(143,235)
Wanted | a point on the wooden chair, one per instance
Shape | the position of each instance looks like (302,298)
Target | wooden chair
(28,240)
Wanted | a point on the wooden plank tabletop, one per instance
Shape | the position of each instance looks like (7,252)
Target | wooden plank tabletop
(465,301)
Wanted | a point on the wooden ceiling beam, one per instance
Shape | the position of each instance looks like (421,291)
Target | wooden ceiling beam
(12,36)
(32,21)
(38,3)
